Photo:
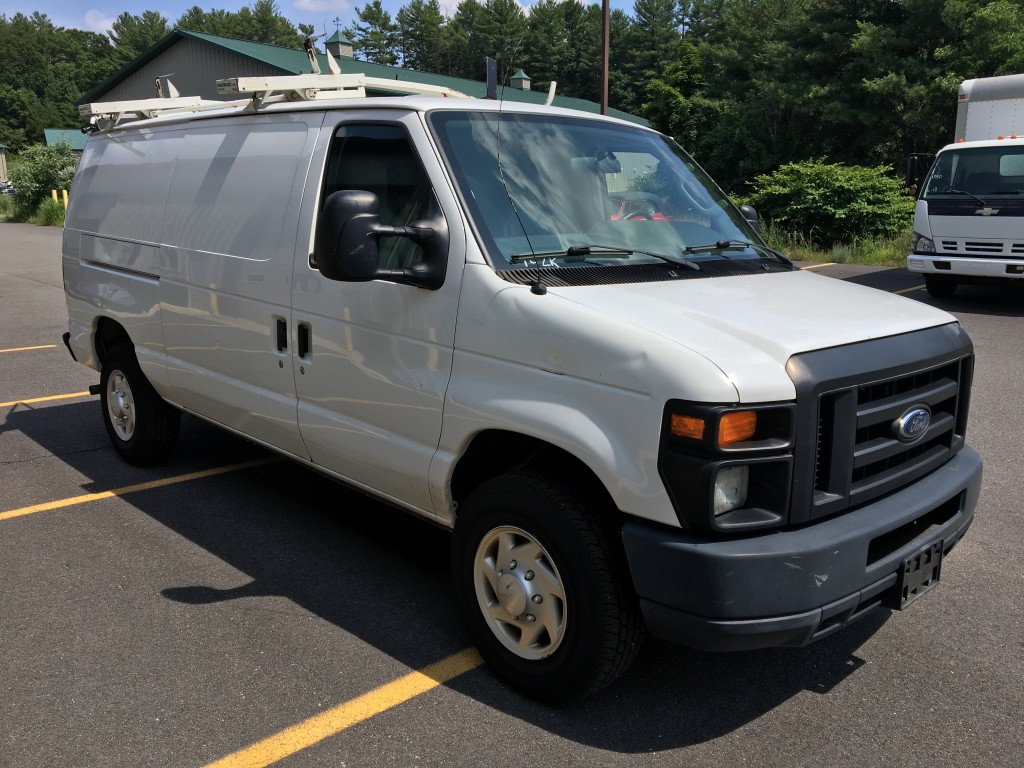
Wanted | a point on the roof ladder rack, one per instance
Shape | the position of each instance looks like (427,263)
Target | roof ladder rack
(312,87)
(257,91)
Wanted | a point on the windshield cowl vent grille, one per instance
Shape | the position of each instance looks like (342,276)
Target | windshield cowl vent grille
(575,276)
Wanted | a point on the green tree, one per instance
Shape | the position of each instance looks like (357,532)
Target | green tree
(467,45)
(503,28)
(131,35)
(675,105)
(261,22)
(375,37)
(43,72)
(421,30)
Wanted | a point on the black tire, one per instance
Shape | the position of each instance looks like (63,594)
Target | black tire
(585,628)
(940,286)
(141,425)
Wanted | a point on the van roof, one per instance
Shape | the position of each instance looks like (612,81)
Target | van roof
(297,93)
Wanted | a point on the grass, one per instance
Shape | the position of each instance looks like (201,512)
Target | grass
(878,252)
(6,207)
(49,214)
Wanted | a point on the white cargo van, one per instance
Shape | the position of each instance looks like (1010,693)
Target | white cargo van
(630,416)
(969,220)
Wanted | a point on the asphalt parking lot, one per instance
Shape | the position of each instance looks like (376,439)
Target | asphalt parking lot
(228,608)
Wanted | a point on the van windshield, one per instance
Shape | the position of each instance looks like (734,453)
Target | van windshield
(553,191)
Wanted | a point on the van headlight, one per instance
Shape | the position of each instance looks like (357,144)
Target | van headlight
(921,244)
(728,468)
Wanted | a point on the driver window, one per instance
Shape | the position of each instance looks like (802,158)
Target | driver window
(380,159)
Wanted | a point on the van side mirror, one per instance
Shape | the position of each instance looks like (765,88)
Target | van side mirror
(347,245)
(751,216)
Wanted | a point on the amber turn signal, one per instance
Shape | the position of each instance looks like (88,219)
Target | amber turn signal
(737,426)
(687,426)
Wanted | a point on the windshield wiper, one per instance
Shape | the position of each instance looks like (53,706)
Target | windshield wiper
(739,245)
(969,194)
(721,245)
(572,253)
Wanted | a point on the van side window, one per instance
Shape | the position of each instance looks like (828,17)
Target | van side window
(380,159)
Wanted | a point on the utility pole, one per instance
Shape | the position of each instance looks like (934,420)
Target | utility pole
(605,24)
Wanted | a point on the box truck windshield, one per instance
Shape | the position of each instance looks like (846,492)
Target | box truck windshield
(982,173)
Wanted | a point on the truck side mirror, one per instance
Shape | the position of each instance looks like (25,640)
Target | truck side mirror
(751,216)
(347,244)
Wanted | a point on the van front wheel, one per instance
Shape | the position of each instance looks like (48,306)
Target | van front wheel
(542,584)
(142,427)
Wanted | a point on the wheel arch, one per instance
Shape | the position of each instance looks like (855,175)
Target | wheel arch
(109,333)
(496,452)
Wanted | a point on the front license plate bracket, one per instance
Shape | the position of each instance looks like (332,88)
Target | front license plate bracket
(918,574)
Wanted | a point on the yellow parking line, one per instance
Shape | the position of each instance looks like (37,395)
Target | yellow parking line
(910,290)
(319,727)
(44,399)
(87,497)
(819,266)
(29,349)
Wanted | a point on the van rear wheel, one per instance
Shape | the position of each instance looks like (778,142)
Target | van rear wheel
(142,427)
(542,584)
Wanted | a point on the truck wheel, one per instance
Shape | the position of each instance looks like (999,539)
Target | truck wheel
(939,286)
(142,427)
(543,586)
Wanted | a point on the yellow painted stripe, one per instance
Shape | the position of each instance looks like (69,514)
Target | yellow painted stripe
(819,266)
(909,290)
(319,727)
(86,498)
(44,399)
(29,349)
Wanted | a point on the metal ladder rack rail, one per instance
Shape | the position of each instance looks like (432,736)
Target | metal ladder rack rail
(105,116)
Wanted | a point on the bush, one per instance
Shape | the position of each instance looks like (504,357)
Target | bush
(6,207)
(50,213)
(40,169)
(830,204)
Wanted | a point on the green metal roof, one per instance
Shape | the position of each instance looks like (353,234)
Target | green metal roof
(75,139)
(520,75)
(294,60)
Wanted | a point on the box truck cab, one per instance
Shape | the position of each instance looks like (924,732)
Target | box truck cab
(630,419)
(969,220)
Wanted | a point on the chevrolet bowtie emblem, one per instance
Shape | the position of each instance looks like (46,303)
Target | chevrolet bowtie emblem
(986,212)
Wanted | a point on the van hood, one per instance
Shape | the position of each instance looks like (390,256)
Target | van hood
(749,326)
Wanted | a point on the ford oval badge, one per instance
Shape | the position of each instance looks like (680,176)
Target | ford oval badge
(911,426)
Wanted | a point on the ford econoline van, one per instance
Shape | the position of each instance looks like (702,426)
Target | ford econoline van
(546,330)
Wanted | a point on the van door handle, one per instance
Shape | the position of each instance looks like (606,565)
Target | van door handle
(305,334)
(282,334)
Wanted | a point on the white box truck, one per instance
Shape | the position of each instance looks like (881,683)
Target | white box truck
(969,220)
(629,416)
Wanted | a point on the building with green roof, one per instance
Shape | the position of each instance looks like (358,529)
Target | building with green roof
(194,61)
(75,139)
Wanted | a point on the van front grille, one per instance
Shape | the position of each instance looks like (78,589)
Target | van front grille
(850,403)
(875,461)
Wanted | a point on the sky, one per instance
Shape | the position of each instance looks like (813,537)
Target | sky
(98,15)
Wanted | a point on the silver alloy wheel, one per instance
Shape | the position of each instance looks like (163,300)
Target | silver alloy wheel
(520,592)
(120,405)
